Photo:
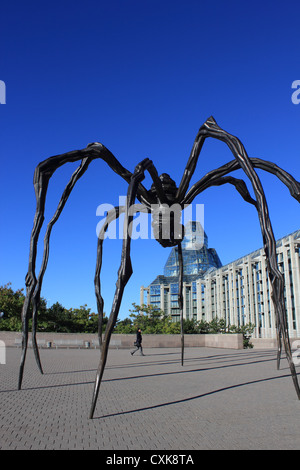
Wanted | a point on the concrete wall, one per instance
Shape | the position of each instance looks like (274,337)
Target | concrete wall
(269,343)
(152,341)
(231,341)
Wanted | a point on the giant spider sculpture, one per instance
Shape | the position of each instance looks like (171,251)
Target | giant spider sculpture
(168,232)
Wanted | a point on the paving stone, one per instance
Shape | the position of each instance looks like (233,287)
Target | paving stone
(220,399)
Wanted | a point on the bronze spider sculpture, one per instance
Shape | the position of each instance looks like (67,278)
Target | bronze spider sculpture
(168,232)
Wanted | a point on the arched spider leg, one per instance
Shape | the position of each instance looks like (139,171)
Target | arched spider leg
(275,276)
(210,179)
(292,184)
(35,285)
(239,184)
(124,274)
(36,296)
(42,175)
(211,129)
(112,215)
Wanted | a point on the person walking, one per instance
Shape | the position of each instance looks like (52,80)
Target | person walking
(138,343)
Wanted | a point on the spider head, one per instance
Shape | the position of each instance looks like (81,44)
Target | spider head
(166,225)
(167,229)
(168,185)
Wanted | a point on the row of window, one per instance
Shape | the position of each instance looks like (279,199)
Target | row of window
(238,302)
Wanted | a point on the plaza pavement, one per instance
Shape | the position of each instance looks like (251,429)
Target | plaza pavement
(220,399)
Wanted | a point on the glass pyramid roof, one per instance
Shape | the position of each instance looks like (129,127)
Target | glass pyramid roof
(197,257)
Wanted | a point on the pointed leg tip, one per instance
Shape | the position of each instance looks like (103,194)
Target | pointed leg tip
(92,410)
(20,382)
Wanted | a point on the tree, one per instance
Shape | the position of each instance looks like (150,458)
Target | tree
(149,319)
(124,326)
(11,303)
(81,320)
(55,318)
(155,321)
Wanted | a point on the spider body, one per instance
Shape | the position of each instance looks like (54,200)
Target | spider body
(167,229)
(165,201)
(169,187)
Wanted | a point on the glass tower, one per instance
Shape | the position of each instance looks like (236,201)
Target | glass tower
(238,292)
(197,259)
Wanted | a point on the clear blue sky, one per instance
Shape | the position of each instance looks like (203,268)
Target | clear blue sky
(140,77)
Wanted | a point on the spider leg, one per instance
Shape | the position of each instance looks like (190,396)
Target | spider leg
(42,175)
(242,189)
(190,166)
(239,184)
(292,184)
(279,346)
(112,215)
(124,273)
(36,296)
(212,177)
(34,289)
(180,299)
(30,279)
(211,129)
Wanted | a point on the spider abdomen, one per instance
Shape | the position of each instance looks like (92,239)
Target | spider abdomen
(167,229)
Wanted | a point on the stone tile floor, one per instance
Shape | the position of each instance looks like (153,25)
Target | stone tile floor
(220,399)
